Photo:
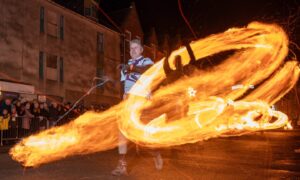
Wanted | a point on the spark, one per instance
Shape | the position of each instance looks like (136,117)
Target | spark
(192,92)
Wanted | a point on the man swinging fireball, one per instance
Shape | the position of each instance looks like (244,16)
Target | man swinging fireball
(129,75)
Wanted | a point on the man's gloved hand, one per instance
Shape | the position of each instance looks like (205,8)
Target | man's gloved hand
(124,67)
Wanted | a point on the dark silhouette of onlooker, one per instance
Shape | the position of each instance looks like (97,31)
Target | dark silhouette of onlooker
(5,104)
(18,105)
(13,123)
(37,116)
(53,114)
(27,117)
(44,113)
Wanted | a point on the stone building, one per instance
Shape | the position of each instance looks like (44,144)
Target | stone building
(56,52)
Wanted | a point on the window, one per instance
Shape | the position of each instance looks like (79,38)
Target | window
(54,68)
(51,61)
(94,12)
(51,67)
(100,56)
(52,25)
(100,42)
(51,64)
(41,65)
(91,12)
(61,69)
(100,67)
(42,19)
(61,27)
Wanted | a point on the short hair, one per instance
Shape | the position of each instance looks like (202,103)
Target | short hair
(136,41)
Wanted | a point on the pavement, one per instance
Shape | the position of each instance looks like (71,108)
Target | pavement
(261,155)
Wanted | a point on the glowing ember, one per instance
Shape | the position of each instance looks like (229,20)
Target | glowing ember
(172,116)
(192,92)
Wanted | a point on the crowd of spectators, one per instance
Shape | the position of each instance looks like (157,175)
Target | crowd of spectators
(20,118)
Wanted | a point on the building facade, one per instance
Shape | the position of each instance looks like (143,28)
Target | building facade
(57,51)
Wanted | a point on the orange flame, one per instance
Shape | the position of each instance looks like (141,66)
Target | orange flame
(191,109)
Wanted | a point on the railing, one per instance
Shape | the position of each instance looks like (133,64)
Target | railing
(22,126)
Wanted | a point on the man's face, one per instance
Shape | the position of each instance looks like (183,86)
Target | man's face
(4,111)
(36,105)
(27,106)
(54,104)
(7,101)
(136,50)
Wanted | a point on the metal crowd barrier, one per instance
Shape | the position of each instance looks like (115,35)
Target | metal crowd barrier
(20,127)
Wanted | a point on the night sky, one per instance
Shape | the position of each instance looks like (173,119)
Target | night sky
(211,16)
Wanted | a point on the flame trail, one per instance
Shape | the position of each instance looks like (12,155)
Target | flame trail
(194,108)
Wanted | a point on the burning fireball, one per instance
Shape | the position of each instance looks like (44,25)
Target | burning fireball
(194,108)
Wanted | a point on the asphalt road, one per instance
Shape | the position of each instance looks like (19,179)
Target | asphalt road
(267,155)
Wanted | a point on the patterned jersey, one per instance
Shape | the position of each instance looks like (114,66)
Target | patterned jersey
(131,78)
